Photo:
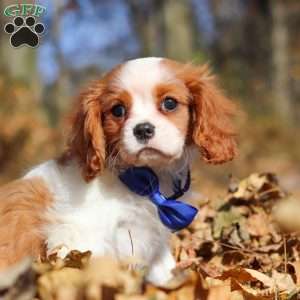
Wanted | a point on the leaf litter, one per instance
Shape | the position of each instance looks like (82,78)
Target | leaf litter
(246,246)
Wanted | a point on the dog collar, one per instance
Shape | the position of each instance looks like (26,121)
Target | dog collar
(173,214)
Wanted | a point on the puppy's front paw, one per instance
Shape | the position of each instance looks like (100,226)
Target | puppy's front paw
(161,271)
(159,275)
(60,251)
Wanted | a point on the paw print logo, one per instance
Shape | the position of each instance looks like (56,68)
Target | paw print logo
(24,32)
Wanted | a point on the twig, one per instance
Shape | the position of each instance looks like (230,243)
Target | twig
(285,254)
(275,189)
(276,292)
(132,249)
(237,248)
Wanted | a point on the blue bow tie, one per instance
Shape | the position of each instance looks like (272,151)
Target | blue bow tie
(174,214)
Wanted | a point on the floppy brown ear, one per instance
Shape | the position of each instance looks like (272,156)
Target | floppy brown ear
(212,125)
(87,141)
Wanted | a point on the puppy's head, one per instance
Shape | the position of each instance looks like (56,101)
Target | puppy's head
(146,112)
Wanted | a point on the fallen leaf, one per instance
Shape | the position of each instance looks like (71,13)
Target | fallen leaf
(219,292)
(258,224)
(283,282)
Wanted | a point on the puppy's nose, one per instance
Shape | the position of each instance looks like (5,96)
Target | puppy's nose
(144,131)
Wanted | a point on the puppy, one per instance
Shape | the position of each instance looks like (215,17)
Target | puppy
(148,112)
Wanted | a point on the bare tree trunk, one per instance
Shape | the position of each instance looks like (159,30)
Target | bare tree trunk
(148,20)
(179,29)
(56,95)
(18,63)
(281,89)
(155,30)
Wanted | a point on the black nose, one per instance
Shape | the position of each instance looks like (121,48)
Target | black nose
(144,131)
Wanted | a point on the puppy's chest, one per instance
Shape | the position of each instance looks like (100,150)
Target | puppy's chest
(105,217)
(102,216)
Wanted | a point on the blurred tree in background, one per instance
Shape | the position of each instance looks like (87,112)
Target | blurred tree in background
(253,46)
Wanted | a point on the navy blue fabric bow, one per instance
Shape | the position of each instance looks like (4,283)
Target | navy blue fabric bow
(173,213)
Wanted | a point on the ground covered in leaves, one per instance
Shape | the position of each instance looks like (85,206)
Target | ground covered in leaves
(243,246)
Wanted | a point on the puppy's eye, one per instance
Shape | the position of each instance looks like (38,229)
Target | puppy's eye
(169,104)
(118,110)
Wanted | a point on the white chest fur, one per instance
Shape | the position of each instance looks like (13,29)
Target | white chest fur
(102,216)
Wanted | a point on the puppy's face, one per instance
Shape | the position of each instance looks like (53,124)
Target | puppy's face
(146,112)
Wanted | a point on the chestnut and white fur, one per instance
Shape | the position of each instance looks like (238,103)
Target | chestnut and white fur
(146,112)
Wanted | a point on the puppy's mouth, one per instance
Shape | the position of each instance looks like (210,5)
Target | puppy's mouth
(153,153)
(153,157)
(147,156)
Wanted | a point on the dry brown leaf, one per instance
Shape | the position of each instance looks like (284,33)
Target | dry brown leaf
(53,284)
(266,280)
(250,293)
(107,271)
(209,269)
(258,186)
(240,274)
(220,292)
(237,295)
(283,282)
(296,266)
(231,264)
(258,224)
(186,292)
(130,297)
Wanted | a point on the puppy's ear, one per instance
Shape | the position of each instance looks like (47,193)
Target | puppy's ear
(212,129)
(87,141)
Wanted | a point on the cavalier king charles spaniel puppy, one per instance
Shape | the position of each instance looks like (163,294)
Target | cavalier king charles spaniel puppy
(137,127)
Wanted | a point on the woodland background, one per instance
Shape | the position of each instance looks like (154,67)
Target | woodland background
(252,45)
(244,243)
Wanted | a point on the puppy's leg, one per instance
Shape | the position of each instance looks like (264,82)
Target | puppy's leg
(22,215)
(161,270)
(128,247)
(63,238)
(61,250)
(136,245)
